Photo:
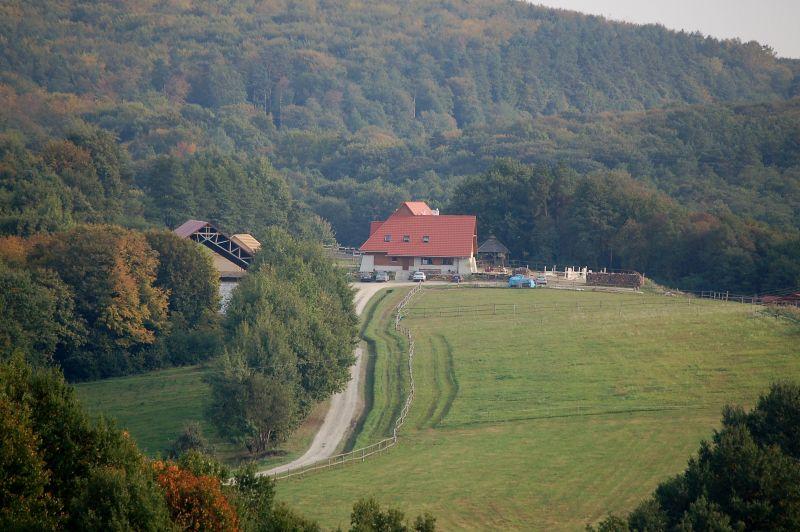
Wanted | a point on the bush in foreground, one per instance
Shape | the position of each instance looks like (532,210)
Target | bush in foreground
(367,516)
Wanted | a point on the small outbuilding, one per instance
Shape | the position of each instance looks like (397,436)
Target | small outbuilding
(493,251)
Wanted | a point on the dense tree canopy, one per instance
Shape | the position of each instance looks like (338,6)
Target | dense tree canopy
(429,92)
(186,273)
(254,114)
(64,471)
(79,475)
(38,314)
(291,327)
(99,301)
(330,65)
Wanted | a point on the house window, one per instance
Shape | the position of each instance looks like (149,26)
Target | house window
(387,238)
(426,239)
(394,259)
(447,261)
(427,261)
(406,238)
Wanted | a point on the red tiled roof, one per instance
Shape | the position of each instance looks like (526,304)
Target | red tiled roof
(448,236)
(189,227)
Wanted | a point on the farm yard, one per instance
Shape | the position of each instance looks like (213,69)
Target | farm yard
(550,415)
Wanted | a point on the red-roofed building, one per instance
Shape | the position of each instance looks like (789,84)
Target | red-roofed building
(416,237)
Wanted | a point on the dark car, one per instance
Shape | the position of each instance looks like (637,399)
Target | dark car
(456,278)
(366,277)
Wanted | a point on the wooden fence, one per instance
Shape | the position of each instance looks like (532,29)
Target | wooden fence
(363,453)
(753,299)
(727,296)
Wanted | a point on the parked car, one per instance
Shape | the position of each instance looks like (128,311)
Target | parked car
(366,277)
(382,277)
(456,278)
(418,277)
(541,280)
(520,281)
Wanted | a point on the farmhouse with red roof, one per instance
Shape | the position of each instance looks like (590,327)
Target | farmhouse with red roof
(416,237)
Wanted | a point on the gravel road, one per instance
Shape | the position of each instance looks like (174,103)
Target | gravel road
(344,407)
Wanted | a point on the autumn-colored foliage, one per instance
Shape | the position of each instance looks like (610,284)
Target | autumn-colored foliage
(195,502)
(12,249)
(112,271)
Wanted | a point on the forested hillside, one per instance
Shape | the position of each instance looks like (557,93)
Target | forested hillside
(353,64)
(259,113)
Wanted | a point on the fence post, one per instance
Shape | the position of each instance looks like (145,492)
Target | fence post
(352,456)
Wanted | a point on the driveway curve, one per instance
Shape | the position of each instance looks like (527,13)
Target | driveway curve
(343,412)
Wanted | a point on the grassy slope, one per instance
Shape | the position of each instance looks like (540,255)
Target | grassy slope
(387,373)
(549,419)
(155,406)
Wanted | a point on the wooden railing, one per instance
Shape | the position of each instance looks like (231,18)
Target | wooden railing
(363,453)
(754,299)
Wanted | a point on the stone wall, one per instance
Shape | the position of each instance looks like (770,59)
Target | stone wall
(620,280)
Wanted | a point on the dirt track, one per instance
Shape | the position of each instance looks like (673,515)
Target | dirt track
(344,405)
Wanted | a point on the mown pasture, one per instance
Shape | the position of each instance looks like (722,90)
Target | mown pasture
(550,415)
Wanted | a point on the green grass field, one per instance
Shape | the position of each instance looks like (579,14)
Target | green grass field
(154,407)
(577,405)
(386,372)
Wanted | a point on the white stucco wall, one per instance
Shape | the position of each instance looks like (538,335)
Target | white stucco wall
(467,265)
(463,266)
(225,293)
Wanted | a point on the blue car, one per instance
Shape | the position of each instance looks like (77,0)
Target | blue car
(520,281)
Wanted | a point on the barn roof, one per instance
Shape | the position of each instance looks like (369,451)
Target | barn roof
(492,245)
(189,227)
(238,249)
(247,242)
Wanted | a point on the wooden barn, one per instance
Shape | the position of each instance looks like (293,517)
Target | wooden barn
(232,254)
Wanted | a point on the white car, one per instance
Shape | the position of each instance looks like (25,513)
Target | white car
(418,277)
